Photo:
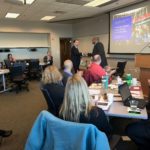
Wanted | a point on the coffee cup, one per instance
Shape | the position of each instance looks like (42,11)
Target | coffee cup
(134,81)
(110,97)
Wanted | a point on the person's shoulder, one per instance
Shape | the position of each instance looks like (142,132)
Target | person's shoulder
(66,74)
(96,111)
(73,47)
(54,85)
(45,56)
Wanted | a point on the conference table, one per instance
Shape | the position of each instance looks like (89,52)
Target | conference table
(117,108)
(2,73)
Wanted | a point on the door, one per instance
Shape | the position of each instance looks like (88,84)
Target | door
(65,49)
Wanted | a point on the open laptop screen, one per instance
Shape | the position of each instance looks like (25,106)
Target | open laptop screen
(124,91)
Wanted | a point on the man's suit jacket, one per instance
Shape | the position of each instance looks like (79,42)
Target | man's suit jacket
(75,57)
(99,49)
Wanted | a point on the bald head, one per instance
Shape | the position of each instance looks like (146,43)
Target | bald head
(95,40)
(97,59)
(68,64)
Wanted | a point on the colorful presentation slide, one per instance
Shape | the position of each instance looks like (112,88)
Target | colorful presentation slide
(130,30)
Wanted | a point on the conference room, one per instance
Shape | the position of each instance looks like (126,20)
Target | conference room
(74,74)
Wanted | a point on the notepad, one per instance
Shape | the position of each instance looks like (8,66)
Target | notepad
(103,105)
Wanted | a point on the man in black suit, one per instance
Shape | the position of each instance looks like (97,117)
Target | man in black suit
(75,55)
(99,50)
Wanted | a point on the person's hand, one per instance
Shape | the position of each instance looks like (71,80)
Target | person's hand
(80,73)
(107,68)
(112,72)
(13,59)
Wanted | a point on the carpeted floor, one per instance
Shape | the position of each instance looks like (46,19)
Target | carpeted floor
(18,112)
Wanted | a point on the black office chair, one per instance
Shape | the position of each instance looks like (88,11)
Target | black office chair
(49,101)
(120,68)
(18,77)
(34,69)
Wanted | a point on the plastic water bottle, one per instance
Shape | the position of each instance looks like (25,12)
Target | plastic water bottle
(119,81)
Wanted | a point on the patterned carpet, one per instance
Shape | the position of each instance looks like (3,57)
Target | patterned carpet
(18,112)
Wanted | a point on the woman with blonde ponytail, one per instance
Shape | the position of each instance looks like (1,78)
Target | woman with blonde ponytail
(76,105)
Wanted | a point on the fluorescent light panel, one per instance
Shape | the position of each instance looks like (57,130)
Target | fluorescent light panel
(46,18)
(29,2)
(12,15)
(95,3)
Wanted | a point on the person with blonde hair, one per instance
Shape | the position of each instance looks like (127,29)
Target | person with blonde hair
(52,82)
(77,107)
(67,71)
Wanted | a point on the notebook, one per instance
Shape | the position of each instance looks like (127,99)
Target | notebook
(127,97)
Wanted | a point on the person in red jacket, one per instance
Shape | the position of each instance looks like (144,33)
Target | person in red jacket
(95,72)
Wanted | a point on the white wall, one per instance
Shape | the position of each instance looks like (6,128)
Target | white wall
(54,30)
(14,40)
(94,26)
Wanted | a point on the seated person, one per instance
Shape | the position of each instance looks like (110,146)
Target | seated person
(11,58)
(48,59)
(139,132)
(76,105)
(52,81)
(67,71)
(96,71)
(9,61)
(1,65)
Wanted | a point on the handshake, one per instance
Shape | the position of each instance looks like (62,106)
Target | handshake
(87,54)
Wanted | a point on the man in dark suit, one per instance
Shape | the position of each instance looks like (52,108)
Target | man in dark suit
(99,50)
(75,55)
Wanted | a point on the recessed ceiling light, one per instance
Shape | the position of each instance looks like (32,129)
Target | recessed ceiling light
(29,2)
(12,15)
(95,3)
(46,18)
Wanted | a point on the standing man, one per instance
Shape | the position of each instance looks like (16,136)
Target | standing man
(99,50)
(75,55)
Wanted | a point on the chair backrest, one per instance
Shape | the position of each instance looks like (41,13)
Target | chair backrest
(120,68)
(49,100)
(16,70)
(34,64)
(53,133)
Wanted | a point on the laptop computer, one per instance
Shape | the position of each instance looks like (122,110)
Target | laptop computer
(126,96)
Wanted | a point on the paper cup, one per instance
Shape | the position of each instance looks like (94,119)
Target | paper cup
(110,97)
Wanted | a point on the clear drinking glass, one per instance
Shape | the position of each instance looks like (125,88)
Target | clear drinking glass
(133,104)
